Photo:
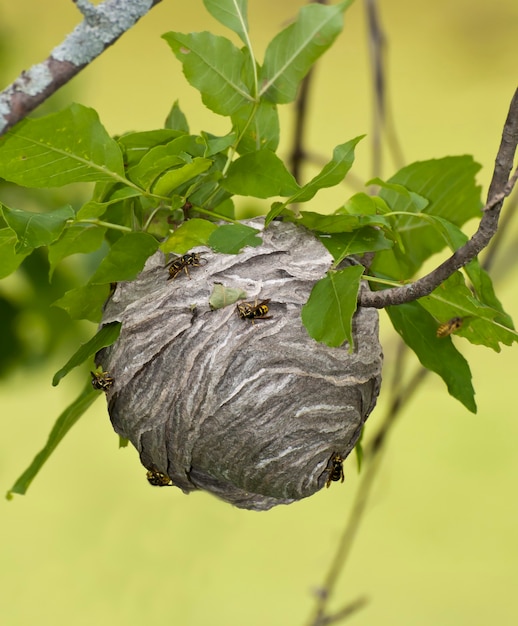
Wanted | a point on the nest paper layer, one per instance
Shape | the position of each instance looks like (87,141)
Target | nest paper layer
(253,413)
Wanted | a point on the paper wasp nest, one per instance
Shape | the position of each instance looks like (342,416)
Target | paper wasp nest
(255,413)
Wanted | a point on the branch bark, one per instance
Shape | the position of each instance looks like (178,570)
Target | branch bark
(500,187)
(102,26)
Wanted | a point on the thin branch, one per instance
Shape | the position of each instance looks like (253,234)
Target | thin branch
(373,452)
(382,119)
(298,153)
(346,542)
(501,186)
(342,614)
(376,40)
(503,229)
(102,26)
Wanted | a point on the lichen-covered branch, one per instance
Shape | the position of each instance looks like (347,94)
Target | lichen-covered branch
(102,26)
(501,186)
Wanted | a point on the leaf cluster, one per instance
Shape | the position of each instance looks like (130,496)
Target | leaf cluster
(172,190)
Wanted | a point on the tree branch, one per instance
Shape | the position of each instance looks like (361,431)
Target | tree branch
(102,26)
(298,153)
(382,122)
(501,186)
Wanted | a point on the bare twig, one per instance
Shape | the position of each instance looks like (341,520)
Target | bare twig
(102,26)
(342,614)
(298,154)
(346,542)
(501,186)
(374,457)
(376,40)
(382,119)
(503,229)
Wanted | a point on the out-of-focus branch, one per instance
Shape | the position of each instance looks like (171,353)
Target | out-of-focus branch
(373,459)
(102,26)
(503,230)
(382,119)
(501,186)
(298,153)
(342,614)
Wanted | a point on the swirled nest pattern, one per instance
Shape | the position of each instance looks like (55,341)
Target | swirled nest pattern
(254,413)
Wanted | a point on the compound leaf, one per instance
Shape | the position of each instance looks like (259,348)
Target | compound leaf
(214,66)
(293,51)
(231,13)
(418,330)
(65,147)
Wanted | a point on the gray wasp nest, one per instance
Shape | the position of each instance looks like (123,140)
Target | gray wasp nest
(257,413)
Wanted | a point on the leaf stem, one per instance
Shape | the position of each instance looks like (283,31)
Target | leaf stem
(382,281)
(124,229)
(216,215)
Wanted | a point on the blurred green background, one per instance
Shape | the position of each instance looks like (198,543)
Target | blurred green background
(92,543)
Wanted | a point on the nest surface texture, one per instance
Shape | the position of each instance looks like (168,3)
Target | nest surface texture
(256,413)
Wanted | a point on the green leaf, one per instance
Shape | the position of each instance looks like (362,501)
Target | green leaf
(257,126)
(85,303)
(231,13)
(328,313)
(214,66)
(418,330)
(77,239)
(366,239)
(222,296)
(105,336)
(94,209)
(363,204)
(63,424)
(171,180)
(136,145)
(161,158)
(358,448)
(192,233)
(292,52)
(66,147)
(332,173)
(215,144)
(231,238)
(483,287)
(338,223)
(10,260)
(482,324)
(125,259)
(415,202)
(449,186)
(260,174)
(176,119)
(37,229)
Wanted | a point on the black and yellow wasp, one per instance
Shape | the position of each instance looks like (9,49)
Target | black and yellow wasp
(182,263)
(257,311)
(336,471)
(450,326)
(158,479)
(101,380)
